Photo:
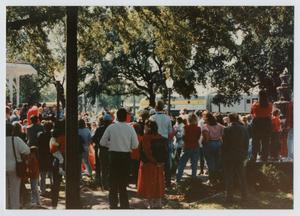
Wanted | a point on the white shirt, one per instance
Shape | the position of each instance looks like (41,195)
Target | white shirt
(179,135)
(119,137)
(163,123)
(201,124)
(20,147)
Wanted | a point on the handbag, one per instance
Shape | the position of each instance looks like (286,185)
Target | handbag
(20,166)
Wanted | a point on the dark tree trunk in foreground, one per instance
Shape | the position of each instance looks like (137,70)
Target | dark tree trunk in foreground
(72,146)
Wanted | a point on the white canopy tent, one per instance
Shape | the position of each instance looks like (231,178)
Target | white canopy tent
(13,73)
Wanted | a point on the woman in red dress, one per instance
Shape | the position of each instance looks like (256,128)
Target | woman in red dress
(151,183)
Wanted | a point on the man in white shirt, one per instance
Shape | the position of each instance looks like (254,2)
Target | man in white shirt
(120,138)
(164,125)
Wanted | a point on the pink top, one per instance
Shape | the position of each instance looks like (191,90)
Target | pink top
(215,132)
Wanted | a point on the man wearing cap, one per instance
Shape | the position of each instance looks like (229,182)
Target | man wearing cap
(120,138)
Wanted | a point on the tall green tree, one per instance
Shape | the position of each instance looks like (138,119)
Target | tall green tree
(234,49)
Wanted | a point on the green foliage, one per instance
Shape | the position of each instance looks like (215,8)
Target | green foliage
(29,91)
(234,49)
(27,38)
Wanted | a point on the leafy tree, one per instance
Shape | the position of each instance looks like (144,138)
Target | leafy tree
(266,49)
(29,91)
(27,38)
(234,49)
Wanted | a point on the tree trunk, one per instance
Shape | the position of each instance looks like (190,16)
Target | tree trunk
(152,100)
(72,146)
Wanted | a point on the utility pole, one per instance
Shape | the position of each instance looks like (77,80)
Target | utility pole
(72,146)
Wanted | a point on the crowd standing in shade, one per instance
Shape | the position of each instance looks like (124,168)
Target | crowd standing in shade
(118,150)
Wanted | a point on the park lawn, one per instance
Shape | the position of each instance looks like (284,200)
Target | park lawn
(256,200)
(193,194)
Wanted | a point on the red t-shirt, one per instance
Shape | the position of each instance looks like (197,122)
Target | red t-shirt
(261,112)
(275,124)
(192,134)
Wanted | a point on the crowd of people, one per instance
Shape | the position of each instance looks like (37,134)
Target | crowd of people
(147,151)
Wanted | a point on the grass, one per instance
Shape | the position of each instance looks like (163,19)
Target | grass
(183,196)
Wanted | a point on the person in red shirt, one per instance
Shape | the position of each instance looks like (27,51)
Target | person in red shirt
(275,136)
(192,133)
(261,126)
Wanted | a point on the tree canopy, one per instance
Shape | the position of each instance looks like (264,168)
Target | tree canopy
(233,49)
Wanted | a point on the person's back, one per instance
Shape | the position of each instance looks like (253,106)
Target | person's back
(192,135)
(85,135)
(121,135)
(43,143)
(33,130)
(44,148)
(235,142)
(163,122)
(120,139)
(215,132)
(32,133)
(234,155)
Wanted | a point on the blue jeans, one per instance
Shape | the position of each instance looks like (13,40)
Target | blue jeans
(35,194)
(212,152)
(192,154)
(85,159)
(290,143)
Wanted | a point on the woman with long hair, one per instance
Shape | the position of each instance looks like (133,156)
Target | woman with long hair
(261,126)
(151,181)
(212,141)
